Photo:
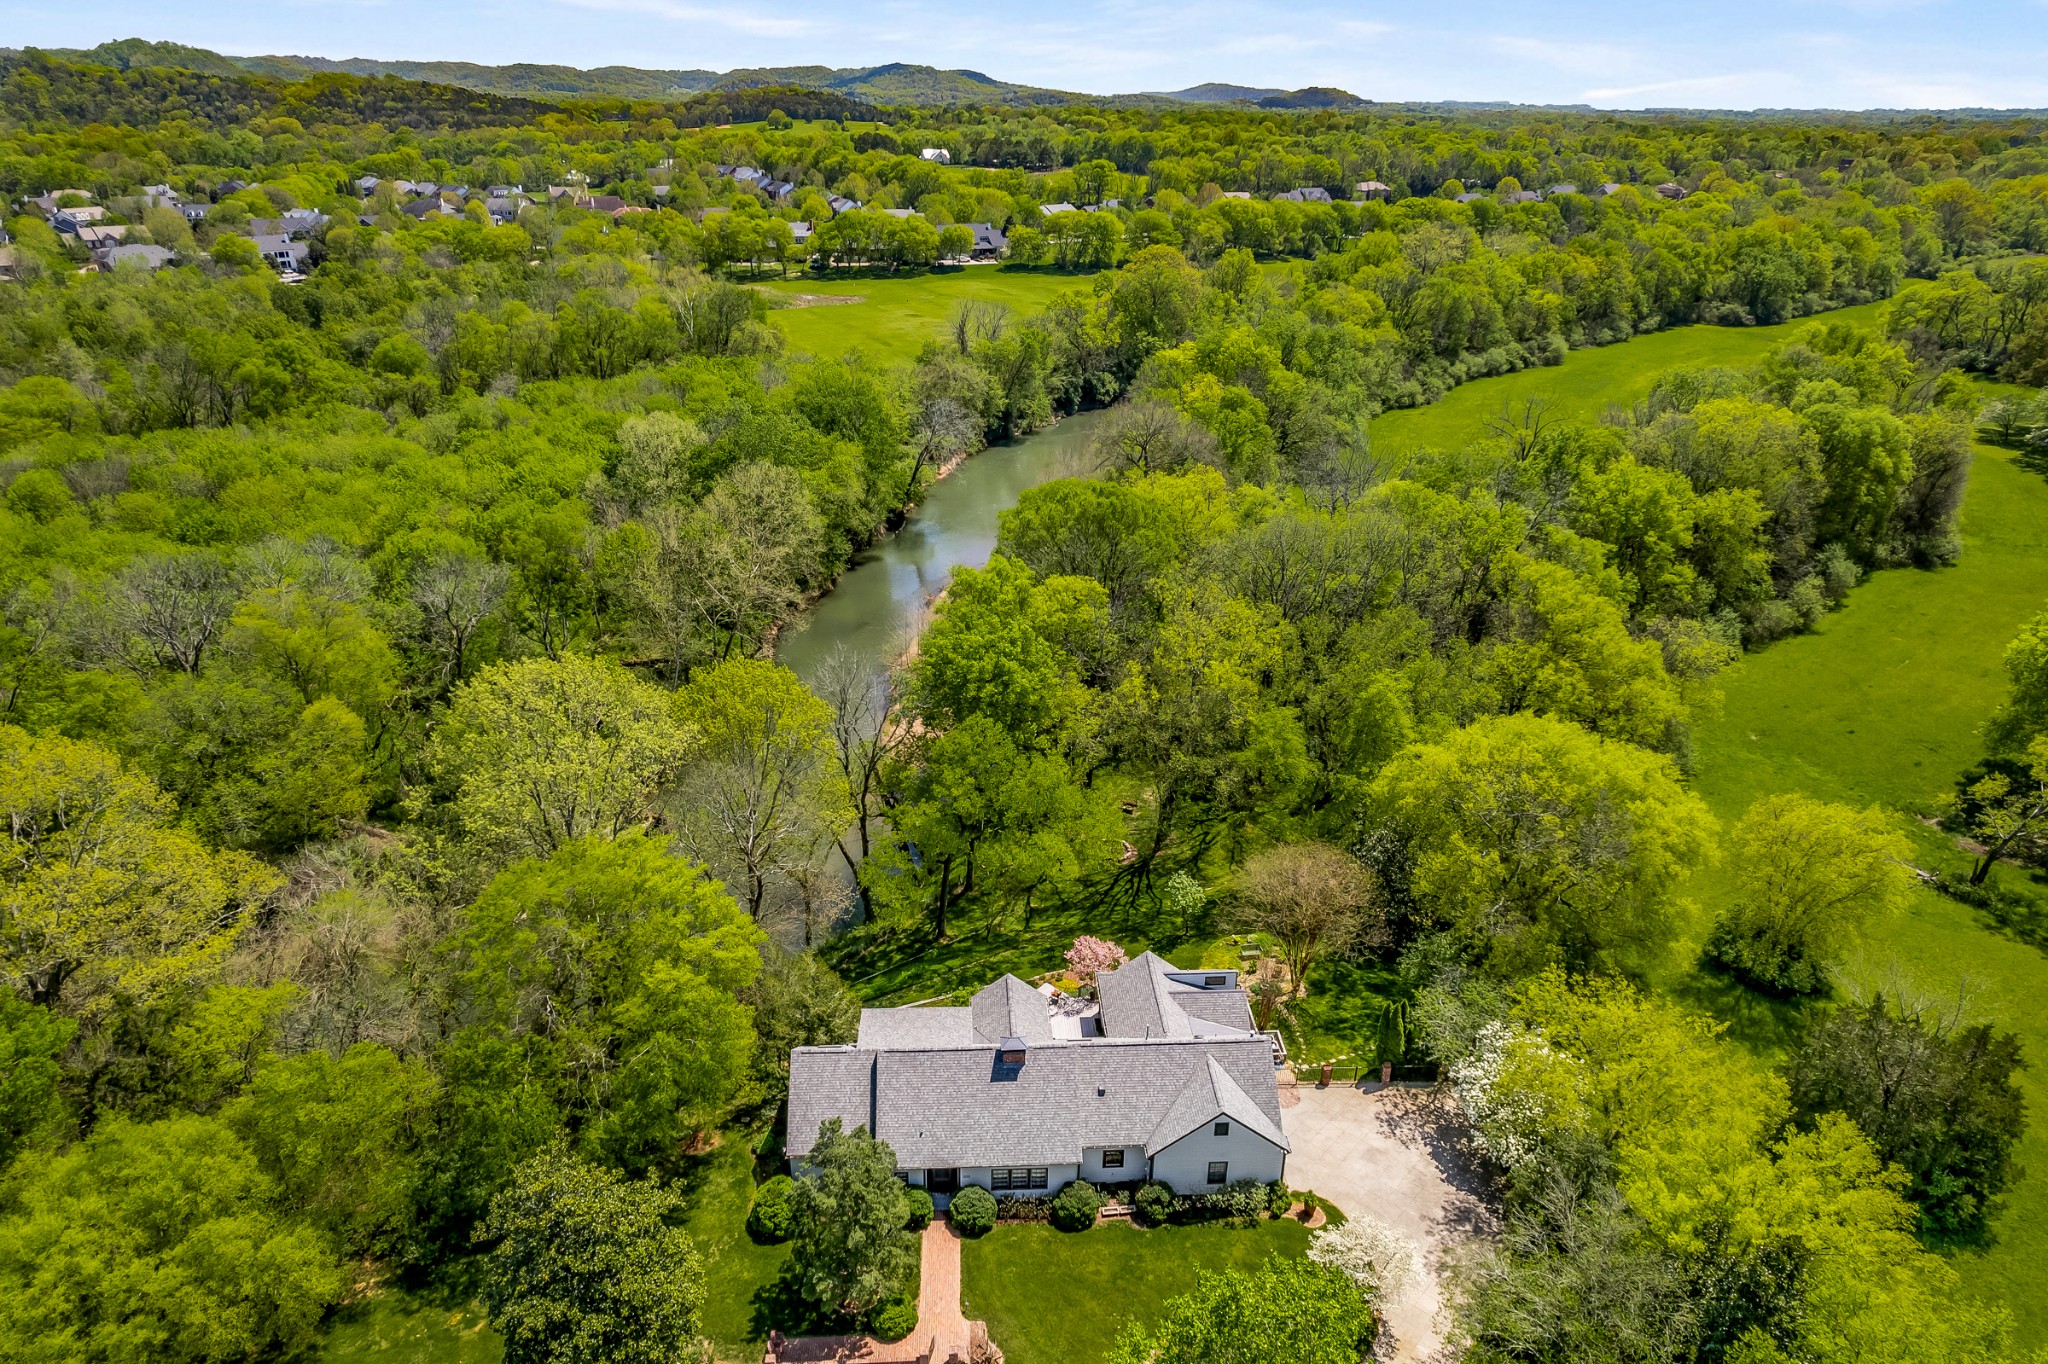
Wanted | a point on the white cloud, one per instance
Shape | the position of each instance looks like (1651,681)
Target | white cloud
(1726,90)
(738,19)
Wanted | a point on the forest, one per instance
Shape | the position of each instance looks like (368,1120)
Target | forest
(415,849)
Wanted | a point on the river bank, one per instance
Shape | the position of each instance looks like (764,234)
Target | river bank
(880,602)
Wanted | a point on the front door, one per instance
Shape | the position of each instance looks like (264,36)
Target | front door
(942,1182)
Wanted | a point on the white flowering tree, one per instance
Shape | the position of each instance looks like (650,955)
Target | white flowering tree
(1380,1260)
(1518,1091)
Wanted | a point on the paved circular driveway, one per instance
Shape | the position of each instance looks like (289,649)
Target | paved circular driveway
(1398,1154)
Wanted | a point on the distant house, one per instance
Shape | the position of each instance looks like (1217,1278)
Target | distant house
(1469,197)
(112,258)
(1237,194)
(601,203)
(227,187)
(1602,191)
(841,204)
(45,205)
(1314,194)
(989,241)
(1562,187)
(160,194)
(7,266)
(366,184)
(562,192)
(1049,209)
(428,206)
(72,219)
(1521,196)
(299,222)
(95,238)
(1372,189)
(1022,1091)
(800,231)
(902,213)
(281,253)
(1668,190)
(504,191)
(194,214)
(504,209)
(938,154)
(778,190)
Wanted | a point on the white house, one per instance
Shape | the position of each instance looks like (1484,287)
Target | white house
(1023,1091)
(938,154)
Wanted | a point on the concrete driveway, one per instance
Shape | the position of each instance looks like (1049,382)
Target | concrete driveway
(1398,1154)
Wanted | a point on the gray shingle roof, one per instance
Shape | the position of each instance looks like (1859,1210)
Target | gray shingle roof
(1231,1008)
(826,1083)
(932,1082)
(896,1029)
(1212,1092)
(959,1106)
(1010,1008)
(1137,1000)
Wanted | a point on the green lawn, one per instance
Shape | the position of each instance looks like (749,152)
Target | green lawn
(1053,1297)
(1581,388)
(1882,705)
(897,314)
(443,1324)
(737,1272)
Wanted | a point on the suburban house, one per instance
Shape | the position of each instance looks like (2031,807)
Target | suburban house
(989,241)
(1049,209)
(1162,1077)
(1372,189)
(71,219)
(282,254)
(1313,194)
(938,154)
(97,238)
(111,258)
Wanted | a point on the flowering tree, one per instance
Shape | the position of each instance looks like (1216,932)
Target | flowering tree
(1517,1091)
(1090,956)
(1379,1259)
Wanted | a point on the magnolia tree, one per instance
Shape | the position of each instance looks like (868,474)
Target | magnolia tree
(1089,957)
(1380,1260)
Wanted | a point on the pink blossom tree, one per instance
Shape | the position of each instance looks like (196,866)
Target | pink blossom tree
(1090,956)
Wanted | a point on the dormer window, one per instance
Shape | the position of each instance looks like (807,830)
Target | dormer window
(1011,1050)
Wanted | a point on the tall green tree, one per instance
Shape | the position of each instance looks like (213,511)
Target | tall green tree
(848,1248)
(587,1268)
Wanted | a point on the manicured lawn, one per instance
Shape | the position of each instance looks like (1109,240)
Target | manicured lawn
(897,314)
(1053,1297)
(1581,388)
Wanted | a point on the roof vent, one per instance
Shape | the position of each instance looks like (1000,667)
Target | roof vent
(1012,1049)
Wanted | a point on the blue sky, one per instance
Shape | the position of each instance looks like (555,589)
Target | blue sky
(1610,53)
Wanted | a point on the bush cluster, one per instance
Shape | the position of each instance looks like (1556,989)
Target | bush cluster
(917,1209)
(1074,1207)
(1155,1204)
(973,1211)
(770,1218)
(895,1319)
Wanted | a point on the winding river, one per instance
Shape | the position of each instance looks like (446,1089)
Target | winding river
(879,604)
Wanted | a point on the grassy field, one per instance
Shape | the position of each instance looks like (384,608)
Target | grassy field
(737,1272)
(1053,1297)
(1881,705)
(896,314)
(443,1324)
(1588,380)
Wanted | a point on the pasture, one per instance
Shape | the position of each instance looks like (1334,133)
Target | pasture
(891,317)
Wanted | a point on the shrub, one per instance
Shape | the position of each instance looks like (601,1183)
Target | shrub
(917,1209)
(770,1218)
(897,1318)
(973,1210)
(1074,1207)
(1023,1208)
(1279,1198)
(1243,1200)
(1154,1204)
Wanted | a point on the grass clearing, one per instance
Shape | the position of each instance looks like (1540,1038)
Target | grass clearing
(737,1272)
(1053,1297)
(898,313)
(1589,379)
(442,1323)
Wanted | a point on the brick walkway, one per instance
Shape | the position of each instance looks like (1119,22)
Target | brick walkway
(942,1332)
